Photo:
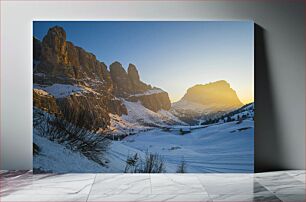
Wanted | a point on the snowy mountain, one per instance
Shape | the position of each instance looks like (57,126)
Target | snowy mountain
(55,157)
(202,102)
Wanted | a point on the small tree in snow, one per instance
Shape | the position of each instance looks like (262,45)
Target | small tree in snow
(181,168)
(229,119)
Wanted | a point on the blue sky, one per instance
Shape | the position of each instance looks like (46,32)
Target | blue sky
(171,55)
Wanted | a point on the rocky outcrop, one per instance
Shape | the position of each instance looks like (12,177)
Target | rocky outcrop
(129,86)
(44,101)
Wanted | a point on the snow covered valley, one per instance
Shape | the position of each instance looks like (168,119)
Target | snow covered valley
(226,147)
(223,147)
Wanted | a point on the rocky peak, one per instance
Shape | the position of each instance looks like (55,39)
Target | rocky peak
(122,83)
(138,85)
(54,45)
(116,69)
(55,34)
(133,73)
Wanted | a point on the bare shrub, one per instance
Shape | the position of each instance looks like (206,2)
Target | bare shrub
(38,117)
(152,163)
(132,164)
(71,133)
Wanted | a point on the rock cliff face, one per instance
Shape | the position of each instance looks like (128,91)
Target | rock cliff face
(83,84)
(61,60)
(153,101)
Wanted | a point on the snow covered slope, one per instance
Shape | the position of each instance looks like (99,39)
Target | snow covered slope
(216,147)
(52,156)
(140,119)
(220,147)
(57,158)
(245,112)
(137,113)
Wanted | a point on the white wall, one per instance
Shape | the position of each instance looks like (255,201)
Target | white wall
(279,124)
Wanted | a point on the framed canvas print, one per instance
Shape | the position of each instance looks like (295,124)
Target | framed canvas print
(143,96)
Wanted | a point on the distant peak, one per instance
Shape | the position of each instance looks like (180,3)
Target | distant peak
(213,93)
